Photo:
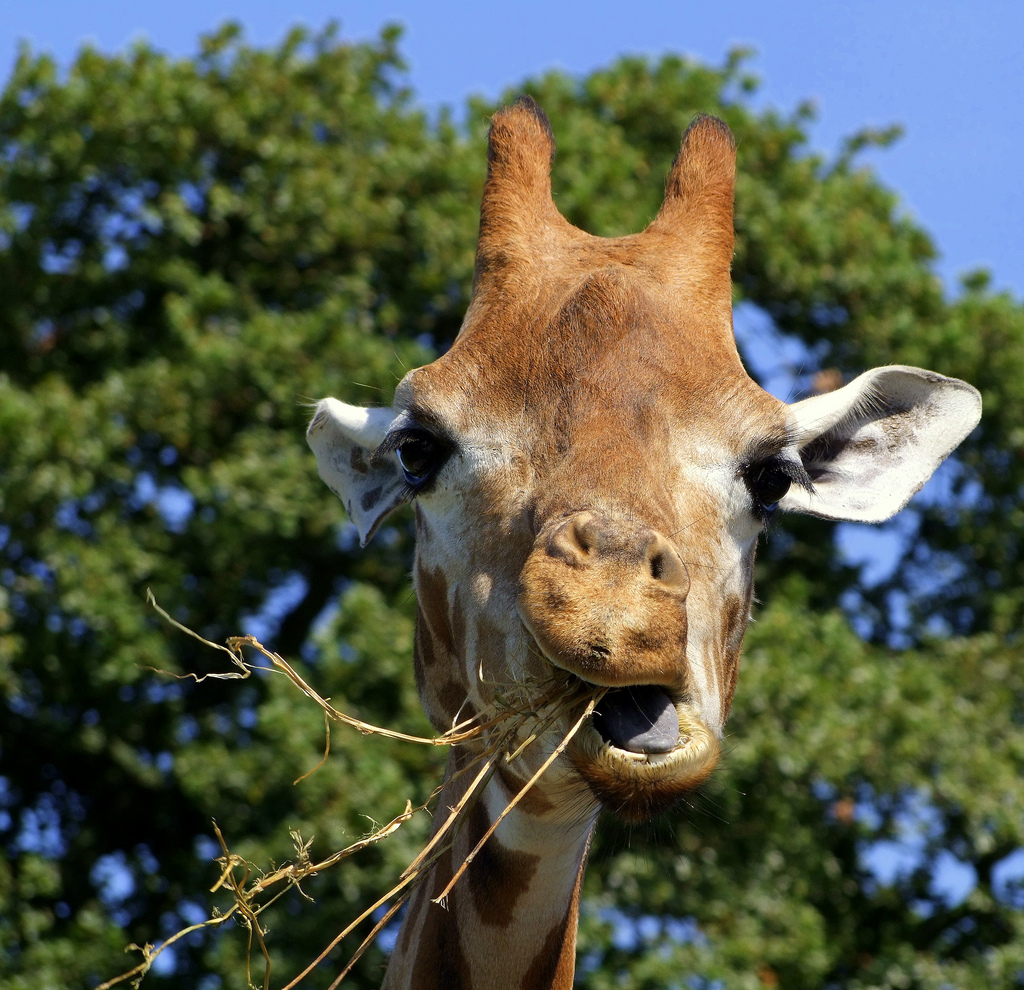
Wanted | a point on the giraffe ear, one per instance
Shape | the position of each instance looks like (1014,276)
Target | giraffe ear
(344,437)
(869,446)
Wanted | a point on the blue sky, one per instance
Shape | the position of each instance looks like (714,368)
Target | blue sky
(951,72)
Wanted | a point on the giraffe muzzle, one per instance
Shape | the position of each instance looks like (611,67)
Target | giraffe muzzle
(605,598)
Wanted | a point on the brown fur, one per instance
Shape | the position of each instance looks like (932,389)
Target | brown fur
(432,597)
(498,876)
(735,613)
(439,641)
(440,961)
(554,966)
(534,801)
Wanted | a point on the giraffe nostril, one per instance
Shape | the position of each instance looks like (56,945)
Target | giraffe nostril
(583,541)
(569,542)
(590,541)
(657,566)
(665,565)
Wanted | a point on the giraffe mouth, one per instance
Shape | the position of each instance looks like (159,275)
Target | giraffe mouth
(644,747)
(643,726)
(640,720)
(642,750)
(625,755)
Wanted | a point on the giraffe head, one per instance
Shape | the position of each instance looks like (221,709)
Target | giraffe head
(591,466)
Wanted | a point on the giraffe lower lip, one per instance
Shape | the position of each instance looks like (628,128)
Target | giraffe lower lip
(635,786)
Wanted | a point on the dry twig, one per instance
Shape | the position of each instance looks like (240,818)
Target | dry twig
(520,715)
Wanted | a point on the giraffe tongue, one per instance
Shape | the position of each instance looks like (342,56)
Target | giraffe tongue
(639,719)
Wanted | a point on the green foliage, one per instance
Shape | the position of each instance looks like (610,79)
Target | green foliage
(193,250)
(835,745)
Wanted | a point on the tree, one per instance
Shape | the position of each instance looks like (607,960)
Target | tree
(191,251)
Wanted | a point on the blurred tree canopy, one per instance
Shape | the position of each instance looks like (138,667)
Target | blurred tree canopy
(191,251)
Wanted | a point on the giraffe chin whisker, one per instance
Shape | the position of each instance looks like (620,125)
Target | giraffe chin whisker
(635,785)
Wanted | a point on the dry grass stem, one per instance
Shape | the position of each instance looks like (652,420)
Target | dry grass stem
(233,648)
(521,714)
(410,876)
(588,710)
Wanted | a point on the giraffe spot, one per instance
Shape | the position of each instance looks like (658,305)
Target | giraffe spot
(441,701)
(422,656)
(533,802)
(733,625)
(371,498)
(545,966)
(498,876)
(458,627)
(432,594)
(440,963)
(424,534)
(357,460)
(458,759)
(454,701)
(732,615)
(732,664)
(555,963)
(412,916)
(424,648)
(490,644)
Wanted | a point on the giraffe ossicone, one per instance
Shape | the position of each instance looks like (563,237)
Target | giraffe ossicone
(591,467)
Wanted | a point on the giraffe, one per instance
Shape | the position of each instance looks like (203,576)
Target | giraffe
(590,466)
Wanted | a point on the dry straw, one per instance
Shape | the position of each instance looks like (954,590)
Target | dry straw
(521,715)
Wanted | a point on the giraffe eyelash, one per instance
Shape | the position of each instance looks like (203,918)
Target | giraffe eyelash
(763,478)
(425,454)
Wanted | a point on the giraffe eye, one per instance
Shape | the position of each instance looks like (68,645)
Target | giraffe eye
(421,457)
(767,483)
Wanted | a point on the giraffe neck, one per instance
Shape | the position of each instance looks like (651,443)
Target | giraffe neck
(511,919)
